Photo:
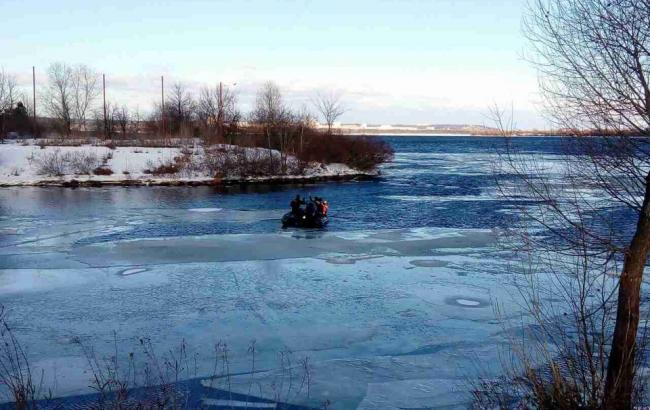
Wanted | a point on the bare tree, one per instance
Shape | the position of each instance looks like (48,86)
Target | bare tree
(565,245)
(59,97)
(269,104)
(305,121)
(109,125)
(330,107)
(180,107)
(208,107)
(8,91)
(270,111)
(122,118)
(594,62)
(217,110)
(85,91)
(135,121)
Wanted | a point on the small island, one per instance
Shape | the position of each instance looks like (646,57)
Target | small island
(32,163)
(183,141)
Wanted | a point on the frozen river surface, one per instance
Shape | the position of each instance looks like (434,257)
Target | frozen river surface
(393,304)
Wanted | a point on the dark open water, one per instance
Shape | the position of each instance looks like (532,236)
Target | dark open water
(433,182)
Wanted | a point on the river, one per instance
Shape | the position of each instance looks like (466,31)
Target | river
(392,304)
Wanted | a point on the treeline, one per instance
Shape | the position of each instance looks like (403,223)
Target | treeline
(74,109)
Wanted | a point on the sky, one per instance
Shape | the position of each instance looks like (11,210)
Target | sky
(398,61)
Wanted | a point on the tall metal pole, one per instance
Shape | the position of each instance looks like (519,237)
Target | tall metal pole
(104,92)
(220,119)
(162,103)
(34,91)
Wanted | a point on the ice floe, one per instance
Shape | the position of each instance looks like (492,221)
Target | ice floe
(205,210)
(132,271)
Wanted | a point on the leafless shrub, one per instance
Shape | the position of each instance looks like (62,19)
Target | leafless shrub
(362,153)
(82,163)
(107,157)
(186,150)
(162,168)
(242,162)
(568,248)
(556,354)
(15,371)
(189,164)
(143,378)
(65,142)
(592,60)
(51,163)
(56,163)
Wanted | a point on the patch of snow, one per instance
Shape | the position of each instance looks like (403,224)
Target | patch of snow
(205,209)
(9,231)
(467,302)
(19,165)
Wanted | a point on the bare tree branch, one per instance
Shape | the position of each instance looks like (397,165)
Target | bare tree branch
(330,107)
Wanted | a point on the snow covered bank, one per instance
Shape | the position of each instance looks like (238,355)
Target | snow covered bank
(31,165)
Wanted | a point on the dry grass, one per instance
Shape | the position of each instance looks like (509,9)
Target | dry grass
(163,168)
(15,370)
(362,153)
(103,170)
(146,379)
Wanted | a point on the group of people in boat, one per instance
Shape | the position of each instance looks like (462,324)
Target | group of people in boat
(315,207)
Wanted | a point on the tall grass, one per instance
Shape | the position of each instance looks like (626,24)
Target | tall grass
(144,378)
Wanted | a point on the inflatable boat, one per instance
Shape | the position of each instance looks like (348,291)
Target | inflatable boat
(304,221)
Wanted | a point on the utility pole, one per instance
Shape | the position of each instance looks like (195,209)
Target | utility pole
(162,104)
(104,92)
(220,114)
(34,91)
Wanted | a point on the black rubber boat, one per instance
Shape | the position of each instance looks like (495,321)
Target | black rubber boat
(304,221)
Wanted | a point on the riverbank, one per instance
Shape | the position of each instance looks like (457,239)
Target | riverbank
(91,165)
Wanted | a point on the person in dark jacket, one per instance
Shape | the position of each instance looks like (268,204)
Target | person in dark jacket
(310,209)
(296,206)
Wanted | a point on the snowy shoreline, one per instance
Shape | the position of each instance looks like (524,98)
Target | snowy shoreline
(75,166)
(95,181)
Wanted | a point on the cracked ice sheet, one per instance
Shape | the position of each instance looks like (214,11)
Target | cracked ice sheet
(60,249)
(285,245)
(378,320)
